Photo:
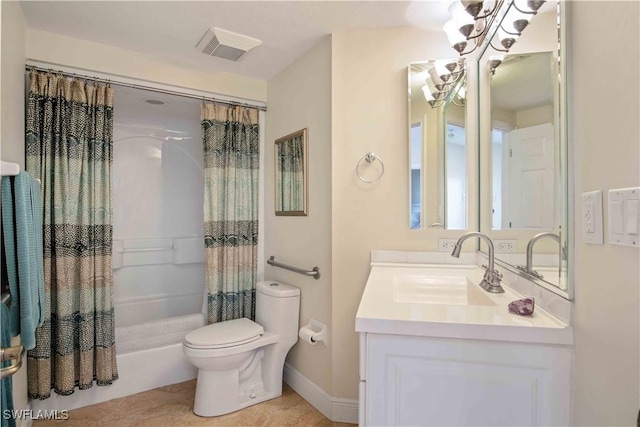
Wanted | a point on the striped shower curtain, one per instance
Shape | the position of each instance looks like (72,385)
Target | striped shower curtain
(69,140)
(231,158)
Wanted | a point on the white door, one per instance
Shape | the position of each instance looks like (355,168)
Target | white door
(531,180)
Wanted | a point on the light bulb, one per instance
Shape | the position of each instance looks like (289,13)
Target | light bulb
(427,93)
(442,70)
(459,14)
(453,33)
(494,62)
(473,7)
(462,92)
(435,77)
(432,86)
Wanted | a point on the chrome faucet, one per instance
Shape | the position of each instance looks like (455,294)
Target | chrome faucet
(491,280)
(532,242)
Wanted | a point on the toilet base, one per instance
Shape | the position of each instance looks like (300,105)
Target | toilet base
(217,393)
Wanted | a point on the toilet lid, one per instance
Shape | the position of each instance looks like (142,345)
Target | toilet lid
(224,334)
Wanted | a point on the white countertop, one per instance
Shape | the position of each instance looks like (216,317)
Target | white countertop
(380,313)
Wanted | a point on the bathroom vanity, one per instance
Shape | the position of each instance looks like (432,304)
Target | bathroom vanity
(435,349)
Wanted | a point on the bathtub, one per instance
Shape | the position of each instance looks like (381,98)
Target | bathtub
(149,355)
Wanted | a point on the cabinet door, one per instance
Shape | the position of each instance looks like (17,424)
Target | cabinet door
(416,381)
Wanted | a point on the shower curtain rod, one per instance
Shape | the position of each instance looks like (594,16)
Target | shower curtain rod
(149,88)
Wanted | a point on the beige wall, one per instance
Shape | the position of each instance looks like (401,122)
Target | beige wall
(369,74)
(535,116)
(68,51)
(12,40)
(607,155)
(300,97)
(12,82)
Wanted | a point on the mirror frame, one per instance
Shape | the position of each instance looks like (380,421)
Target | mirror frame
(305,174)
(566,227)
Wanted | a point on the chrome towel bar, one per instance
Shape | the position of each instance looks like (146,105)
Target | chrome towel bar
(315,271)
(6,299)
(11,353)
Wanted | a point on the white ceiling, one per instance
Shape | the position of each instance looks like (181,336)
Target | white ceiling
(171,30)
(523,81)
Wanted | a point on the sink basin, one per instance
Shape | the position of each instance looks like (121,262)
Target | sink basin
(445,290)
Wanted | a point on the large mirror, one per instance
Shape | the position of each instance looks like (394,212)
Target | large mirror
(292,174)
(438,145)
(523,186)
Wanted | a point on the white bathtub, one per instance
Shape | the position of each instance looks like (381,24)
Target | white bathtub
(149,355)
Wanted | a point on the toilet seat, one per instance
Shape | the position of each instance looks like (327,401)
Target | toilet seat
(230,333)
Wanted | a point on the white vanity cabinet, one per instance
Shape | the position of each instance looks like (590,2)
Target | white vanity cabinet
(423,381)
(433,353)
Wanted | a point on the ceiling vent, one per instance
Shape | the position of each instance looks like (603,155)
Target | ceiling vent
(226,44)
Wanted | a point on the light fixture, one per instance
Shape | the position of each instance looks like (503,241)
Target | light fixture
(472,19)
(443,77)
(494,62)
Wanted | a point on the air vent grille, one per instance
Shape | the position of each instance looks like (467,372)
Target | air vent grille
(226,44)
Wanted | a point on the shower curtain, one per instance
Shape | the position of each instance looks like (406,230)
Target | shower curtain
(69,142)
(291,177)
(231,159)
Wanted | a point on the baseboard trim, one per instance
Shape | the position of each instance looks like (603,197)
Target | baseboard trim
(335,408)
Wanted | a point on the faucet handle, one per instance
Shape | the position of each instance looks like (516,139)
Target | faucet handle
(495,273)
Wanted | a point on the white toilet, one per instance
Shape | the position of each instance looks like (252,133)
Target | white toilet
(240,362)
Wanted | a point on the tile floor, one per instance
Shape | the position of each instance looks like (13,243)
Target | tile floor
(172,406)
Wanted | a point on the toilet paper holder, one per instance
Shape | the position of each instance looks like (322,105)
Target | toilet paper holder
(314,332)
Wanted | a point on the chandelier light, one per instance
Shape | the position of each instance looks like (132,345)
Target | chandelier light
(471,20)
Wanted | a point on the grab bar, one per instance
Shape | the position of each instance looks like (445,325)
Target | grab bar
(315,271)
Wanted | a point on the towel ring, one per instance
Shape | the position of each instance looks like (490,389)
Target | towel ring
(370,158)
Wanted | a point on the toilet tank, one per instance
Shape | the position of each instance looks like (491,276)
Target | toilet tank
(278,308)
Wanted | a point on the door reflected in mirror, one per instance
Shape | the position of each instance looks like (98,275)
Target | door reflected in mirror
(523,149)
(291,174)
(438,145)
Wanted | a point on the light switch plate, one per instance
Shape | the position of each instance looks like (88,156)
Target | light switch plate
(624,216)
(592,228)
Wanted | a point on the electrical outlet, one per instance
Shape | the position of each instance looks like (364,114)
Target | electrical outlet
(505,246)
(446,245)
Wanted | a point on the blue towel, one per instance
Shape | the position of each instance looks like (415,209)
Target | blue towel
(6,384)
(22,224)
